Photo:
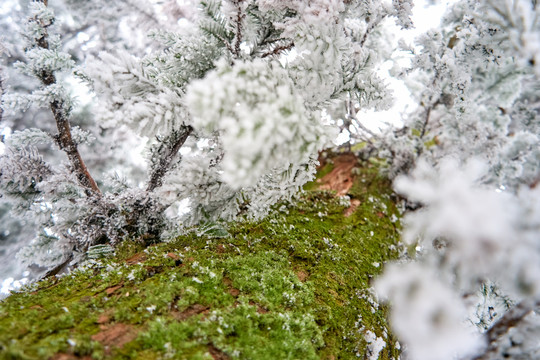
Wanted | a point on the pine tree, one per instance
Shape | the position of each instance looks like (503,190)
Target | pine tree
(234,103)
(244,147)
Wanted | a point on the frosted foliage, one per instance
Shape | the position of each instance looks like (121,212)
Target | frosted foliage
(22,169)
(473,144)
(403,10)
(3,48)
(261,120)
(317,70)
(53,92)
(41,245)
(281,183)
(208,194)
(43,17)
(185,57)
(41,61)
(521,339)
(130,96)
(519,160)
(446,193)
(213,199)
(427,314)
(46,60)
(20,139)
(491,303)
(481,94)
(122,24)
(333,59)
(522,19)
(310,12)
(479,232)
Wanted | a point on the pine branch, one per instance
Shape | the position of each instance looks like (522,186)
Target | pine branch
(268,37)
(167,157)
(215,24)
(58,108)
(239,18)
(21,170)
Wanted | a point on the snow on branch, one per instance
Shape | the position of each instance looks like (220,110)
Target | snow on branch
(44,62)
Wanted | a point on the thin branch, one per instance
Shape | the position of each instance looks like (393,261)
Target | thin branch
(64,138)
(370,28)
(1,94)
(429,108)
(426,119)
(224,41)
(278,49)
(425,124)
(147,14)
(166,160)
(352,120)
(239,17)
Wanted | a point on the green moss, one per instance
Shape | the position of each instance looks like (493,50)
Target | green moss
(295,285)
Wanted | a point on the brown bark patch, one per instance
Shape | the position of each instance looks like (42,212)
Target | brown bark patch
(216,353)
(192,310)
(340,179)
(260,309)
(112,289)
(220,249)
(104,318)
(351,209)
(116,335)
(302,275)
(232,290)
(136,259)
(177,260)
